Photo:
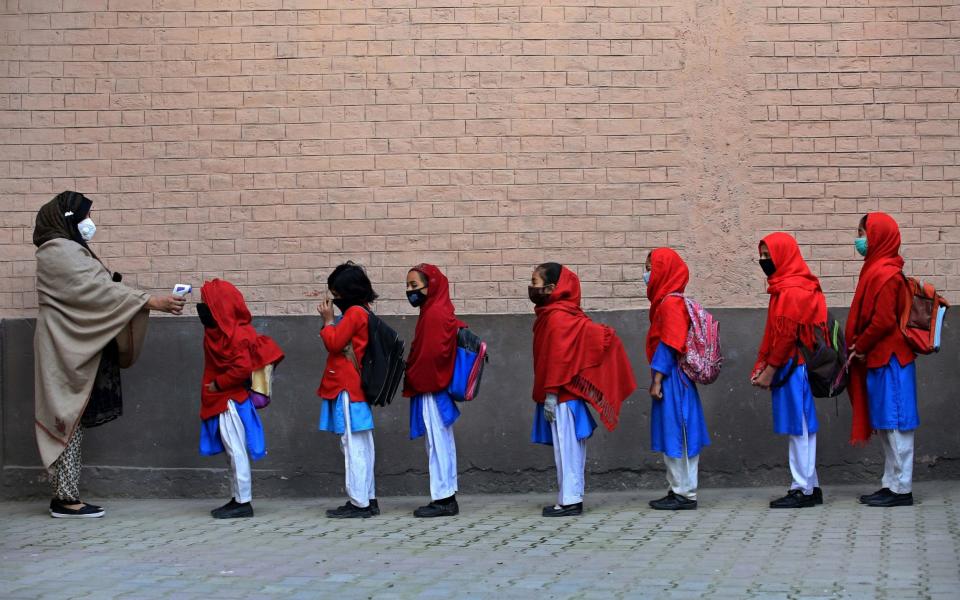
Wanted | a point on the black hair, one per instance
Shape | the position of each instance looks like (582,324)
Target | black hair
(550,272)
(351,283)
(863,222)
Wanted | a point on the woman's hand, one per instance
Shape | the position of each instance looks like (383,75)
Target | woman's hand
(168,304)
(764,379)
(325,308)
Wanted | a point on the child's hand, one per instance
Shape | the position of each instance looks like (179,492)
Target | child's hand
(656,390)
(212,387)
(325,308)
(765,378)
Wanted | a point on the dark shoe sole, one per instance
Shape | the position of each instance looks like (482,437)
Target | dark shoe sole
(433,515)
(895,503)
(692,506)
(366,514)
(234,515)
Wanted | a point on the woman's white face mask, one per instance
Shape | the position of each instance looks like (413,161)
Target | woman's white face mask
(87,229)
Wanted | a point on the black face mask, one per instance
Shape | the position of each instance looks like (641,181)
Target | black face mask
(768,267)
(538,295)
(206,317)
(416,297)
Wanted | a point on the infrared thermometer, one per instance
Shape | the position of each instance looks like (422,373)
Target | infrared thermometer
(182,289)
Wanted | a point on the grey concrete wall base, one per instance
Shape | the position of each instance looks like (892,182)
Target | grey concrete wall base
(152,450)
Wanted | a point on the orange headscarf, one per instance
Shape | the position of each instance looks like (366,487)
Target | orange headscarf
(883,261)
(797,304)
(572,352)
(669,321)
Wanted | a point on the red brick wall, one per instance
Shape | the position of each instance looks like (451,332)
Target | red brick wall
(267,140)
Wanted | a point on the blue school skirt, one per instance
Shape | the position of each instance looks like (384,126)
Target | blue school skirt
(449,413)
(332,417)
(892,396)
(211,444)
(582,421)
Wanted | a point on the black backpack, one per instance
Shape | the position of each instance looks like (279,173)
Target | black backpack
(826,361)
(383,365)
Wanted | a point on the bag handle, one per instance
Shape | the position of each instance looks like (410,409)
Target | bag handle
(349,353)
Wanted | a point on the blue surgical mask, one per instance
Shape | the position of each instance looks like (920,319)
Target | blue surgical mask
(861,245)
(646,277)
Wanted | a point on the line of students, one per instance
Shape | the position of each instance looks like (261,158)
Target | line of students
(579,365)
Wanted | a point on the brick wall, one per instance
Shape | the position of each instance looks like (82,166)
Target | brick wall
(267,140)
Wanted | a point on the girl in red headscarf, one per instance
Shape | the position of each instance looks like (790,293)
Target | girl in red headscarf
(883,376)
(677,426)
(237,364)
(429,371)
(574,360)
(797,308)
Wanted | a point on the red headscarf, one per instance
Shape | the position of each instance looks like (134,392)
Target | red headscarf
(882,262)
(797,304)
(434,348)
(233,343)
(572,352)
(669,321)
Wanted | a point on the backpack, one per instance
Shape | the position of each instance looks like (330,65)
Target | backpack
(383,365)
(921,320)
(468,366)
(703,359)
(826,361)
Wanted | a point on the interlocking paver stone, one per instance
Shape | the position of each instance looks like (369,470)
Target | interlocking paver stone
(499,546)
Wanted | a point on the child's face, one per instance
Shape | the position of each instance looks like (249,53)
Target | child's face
(416,282)
(334,293)
(861,232)
(764,250)
(537,281)
(648,264)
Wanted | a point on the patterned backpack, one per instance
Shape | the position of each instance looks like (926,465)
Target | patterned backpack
(703,359)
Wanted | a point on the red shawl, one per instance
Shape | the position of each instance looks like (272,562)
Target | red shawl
(233,349)
(572,352)
(797,304)
(669,321)
(434,348)
(882,262)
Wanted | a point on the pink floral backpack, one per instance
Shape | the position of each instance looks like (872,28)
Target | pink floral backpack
(703,359)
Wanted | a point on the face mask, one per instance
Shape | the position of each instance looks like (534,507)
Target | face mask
(538,295)
(86,228)
(206,317)
(646,277)
(861,245)
(343,304)
(768,267)
(416,297)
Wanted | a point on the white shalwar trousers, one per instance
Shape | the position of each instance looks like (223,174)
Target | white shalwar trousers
(441,450)
(570,455)
(682,474)
(897,460)
(803,461)
(358,458)
(234,439)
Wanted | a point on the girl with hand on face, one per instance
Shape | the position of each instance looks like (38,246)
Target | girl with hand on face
(797,308)
(429,371)
(677,426)
(575,361)
(344,409)
(883,375)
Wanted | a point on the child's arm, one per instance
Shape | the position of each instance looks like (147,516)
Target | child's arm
(884,319)
(237,373)
(336,337)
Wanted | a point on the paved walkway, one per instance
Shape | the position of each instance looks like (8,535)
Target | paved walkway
(733,547)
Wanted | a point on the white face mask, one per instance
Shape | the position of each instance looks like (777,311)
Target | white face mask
(86,228)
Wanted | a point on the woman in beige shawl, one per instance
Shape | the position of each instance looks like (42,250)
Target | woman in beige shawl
(89,326)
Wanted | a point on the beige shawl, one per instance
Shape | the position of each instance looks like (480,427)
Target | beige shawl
(81,310)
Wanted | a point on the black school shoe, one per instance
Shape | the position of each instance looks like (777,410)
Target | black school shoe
(892,500)
(673,502)
(881,493)
(447,507)
(567,510)
(817,496)
(794,499)
(233,510)
(59,510)
(374,507)
(351,511)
